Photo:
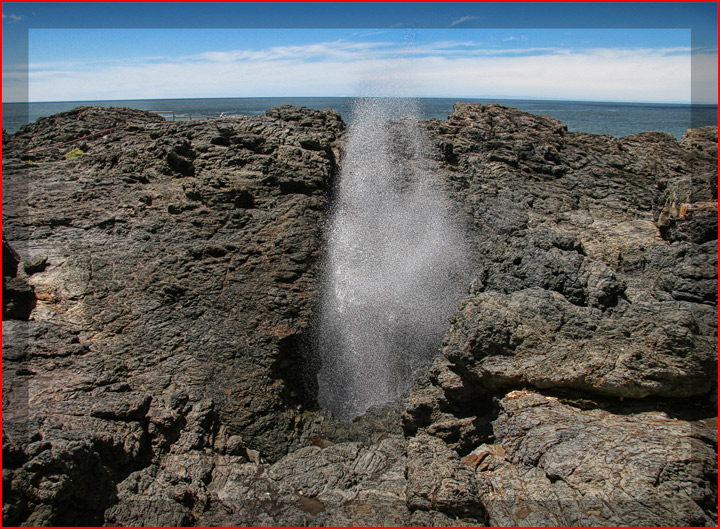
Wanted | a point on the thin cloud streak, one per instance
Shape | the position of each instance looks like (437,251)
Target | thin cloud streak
(341,50)
(12,18)
(461,20)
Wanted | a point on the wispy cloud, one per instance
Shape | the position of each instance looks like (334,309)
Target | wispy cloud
(461,20)
(518,38)
(369,33)
(332,51)
(11,18)
(441,68)
(356,51)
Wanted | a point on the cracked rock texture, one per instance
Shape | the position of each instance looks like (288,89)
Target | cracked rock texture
(553,463)
(180,264)
(159,288)
(596,281)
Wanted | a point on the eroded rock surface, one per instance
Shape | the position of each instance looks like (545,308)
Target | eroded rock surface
(154,373)
(172,263)
(553,463)
(596,277)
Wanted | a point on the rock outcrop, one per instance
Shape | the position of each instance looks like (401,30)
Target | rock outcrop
(595,279)
(180,263)
(554,463)
(159,288)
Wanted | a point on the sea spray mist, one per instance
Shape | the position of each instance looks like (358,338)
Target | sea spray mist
(394,265)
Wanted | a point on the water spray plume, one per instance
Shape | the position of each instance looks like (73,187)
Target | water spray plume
(394,263)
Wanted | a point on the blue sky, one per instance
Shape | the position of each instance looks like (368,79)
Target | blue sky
(581,51)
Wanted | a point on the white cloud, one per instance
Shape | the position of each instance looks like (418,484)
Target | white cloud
(705,77)
(331,51)
(516,38)
(12,18)
(461,20)
(440,69)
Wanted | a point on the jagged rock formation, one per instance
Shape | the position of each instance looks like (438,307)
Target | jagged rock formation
(596,277)
(162,283)
(18,296)
(180,272)
(554,463)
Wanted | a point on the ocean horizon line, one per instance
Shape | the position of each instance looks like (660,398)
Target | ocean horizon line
(456,98)
(598,117)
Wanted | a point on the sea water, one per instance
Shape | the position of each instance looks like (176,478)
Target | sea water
(616,119)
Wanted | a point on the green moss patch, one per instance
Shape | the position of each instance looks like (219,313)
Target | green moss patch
(75,153)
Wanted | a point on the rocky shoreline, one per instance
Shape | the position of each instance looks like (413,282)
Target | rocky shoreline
(160,282)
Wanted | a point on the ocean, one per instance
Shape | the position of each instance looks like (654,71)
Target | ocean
(616,119)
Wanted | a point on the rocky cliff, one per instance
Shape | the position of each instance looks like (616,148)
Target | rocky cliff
(159,287)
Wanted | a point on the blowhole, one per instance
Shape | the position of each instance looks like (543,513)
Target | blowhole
(394,264)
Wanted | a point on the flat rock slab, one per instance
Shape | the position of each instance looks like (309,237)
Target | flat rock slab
(537,337)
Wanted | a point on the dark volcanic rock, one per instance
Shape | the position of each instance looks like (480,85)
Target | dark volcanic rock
(18,297)
(163,281)
(686,206)
(155,371)
(555,464)
(438,481)
(538,338)
(53,136)
(594,276)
